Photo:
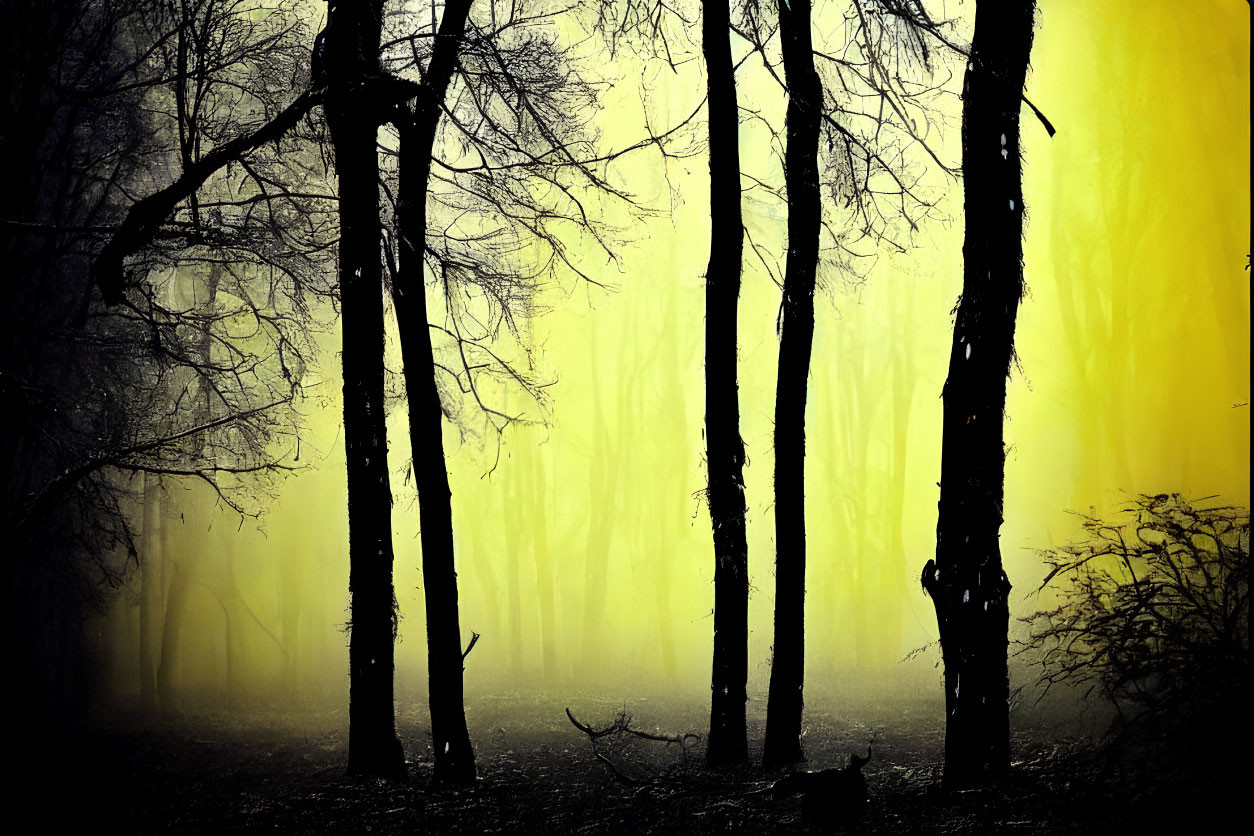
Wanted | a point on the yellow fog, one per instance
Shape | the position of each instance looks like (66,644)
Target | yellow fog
(584,552)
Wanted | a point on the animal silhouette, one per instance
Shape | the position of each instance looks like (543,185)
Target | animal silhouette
(833,796)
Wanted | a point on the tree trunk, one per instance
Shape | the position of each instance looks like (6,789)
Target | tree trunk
(292,586)
(352,47)
(796,337)
(905,380)
(171,634)
(725,450)
(151,600)
(602,472)
(544,570)
(454,758)
(512,530)
(605,469)
(966,581)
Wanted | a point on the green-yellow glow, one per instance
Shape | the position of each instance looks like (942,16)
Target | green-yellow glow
(1134,344)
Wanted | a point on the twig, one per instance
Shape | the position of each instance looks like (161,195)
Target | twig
(119,457)
(474,637)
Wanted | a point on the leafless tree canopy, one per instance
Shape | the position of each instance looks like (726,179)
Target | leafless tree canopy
(883,91)
(199,371)
(521,191)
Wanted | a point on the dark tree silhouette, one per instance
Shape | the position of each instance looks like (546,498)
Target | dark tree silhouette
(417,124)
(647,26)
(966,581)
(860,153)
(351,53)
(494,154)
(796,337)
(725,450)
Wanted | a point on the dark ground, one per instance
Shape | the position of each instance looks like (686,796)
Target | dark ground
(219,772)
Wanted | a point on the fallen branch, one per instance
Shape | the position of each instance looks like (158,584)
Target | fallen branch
(622,725)
(593,734)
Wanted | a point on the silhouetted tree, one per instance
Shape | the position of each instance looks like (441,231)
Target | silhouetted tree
(454,758)
(725,450)
(873,123)
(796,338)
(518,118)
(353,89)
(501,109)
(351,52)
(648,26)
(966,581)
(875,192)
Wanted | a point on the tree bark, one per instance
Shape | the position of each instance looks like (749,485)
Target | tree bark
(454,757)
(725,450)
(796,337)
(352,50)
(966,582)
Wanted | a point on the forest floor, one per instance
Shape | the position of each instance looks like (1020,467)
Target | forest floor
(253,772)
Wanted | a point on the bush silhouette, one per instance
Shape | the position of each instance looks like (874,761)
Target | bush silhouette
(1152,614)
